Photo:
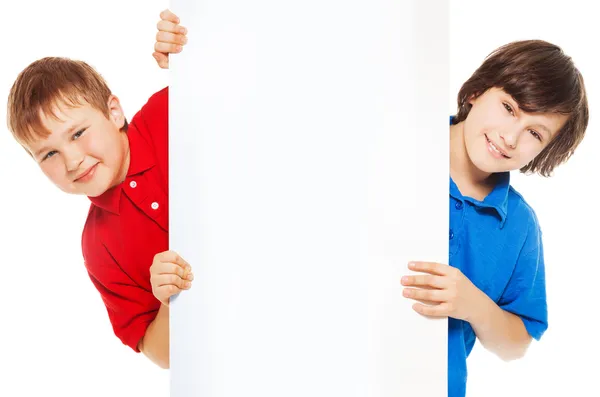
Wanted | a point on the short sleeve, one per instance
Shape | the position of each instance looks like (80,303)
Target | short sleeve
(525,294)
(130,307)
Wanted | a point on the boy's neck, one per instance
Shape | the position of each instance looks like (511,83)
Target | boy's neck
(470,180)
(126,161)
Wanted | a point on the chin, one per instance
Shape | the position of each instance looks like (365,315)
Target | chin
(98,190)
(95,193)
(489,167)
(94,189)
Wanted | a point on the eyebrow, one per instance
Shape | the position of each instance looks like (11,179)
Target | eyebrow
(36,154)
(68,131)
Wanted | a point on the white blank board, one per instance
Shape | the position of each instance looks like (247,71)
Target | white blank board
(308,165)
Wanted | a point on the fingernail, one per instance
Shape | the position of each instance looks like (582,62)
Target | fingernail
(182,30)
(190,276)
(405,279)
(406,292)
(178,48)
(188,284)
(184,39)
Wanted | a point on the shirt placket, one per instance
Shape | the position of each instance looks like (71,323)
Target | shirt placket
(148,198)
(457,209)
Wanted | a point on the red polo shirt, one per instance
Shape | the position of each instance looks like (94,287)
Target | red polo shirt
(129,224)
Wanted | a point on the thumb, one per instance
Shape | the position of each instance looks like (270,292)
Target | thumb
(161,59)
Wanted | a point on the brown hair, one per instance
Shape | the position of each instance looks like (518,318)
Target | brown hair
(44,83)
(542,79)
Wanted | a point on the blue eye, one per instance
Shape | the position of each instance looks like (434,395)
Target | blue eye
(78,134)
(50,154)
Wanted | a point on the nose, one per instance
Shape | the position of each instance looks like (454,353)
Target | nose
(510,136)
(73,158)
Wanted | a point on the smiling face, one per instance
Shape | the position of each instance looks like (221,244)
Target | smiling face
(500,137)
(85,153)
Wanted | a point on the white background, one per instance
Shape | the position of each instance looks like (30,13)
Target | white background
(55,336)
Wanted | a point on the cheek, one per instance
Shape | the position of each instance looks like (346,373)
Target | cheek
(54,170)
(473,137)
(95,147)
(488,117)
(103,147)
(475,126)
(529,152)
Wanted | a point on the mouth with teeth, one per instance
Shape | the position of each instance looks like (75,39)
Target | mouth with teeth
(495,150)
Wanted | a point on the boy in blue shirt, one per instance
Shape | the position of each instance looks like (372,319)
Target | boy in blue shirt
(525,108)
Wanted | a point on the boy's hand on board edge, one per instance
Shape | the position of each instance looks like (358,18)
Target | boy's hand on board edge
(170,39)
(442,290)
(169,275)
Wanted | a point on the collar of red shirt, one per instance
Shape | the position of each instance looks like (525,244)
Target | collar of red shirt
(141,159)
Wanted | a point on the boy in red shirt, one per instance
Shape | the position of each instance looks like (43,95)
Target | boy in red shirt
(65,116)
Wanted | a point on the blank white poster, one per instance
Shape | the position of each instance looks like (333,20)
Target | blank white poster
(308,166)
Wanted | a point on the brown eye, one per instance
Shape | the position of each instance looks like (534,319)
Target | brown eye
(536,135)
(508,108)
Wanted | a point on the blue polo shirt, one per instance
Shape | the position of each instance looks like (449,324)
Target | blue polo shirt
(497,244)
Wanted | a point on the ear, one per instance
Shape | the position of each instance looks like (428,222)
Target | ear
(115,112)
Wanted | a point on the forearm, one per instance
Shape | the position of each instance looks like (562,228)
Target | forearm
(499,331)
(155,343)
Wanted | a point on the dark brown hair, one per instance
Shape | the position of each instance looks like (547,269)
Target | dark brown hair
(541,78)
(45,83)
